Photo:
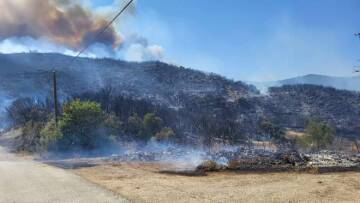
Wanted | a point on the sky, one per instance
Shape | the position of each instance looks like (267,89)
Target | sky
(258,40)
(251,40)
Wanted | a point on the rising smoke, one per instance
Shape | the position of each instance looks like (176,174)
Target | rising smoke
(67,26)
(61,21)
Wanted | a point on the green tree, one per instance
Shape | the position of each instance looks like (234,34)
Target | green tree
(151,125)
(79,123)
(272,130)
(113,125)
(319,134)
(134,124)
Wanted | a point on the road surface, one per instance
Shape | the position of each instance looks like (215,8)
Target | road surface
(24,180)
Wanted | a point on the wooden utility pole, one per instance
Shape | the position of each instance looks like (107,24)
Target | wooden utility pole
(56,110)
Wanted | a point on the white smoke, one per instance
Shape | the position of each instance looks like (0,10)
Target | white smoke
(130,51)
(28,44)
(138,49)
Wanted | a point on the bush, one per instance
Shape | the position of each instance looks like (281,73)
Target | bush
(79,123)
(25,110)
(134,125)
(164,134)
(113,127)
(49,136)
(151,124)
(272,130)
(30,137)
(319,135)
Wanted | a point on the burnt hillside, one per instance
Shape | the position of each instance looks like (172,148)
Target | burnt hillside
(197,103)
(294,105)
(30,74)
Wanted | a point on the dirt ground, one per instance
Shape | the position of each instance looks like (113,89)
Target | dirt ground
(141,182)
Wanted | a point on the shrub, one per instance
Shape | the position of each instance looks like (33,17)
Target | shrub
(164,134)
(321,134)
(272,130)
(318,135)
(25,110)
(79,123)
(113,127)
(151,124)
(134,124)
(49,136)
(30,137)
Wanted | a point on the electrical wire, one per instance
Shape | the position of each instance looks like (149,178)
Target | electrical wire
(99,33)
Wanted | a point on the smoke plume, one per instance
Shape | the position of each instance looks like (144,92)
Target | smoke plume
(64,22)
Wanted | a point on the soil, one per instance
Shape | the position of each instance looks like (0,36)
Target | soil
(144,182)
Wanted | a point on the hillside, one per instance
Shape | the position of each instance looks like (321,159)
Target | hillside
(195,103)
(30,74)
(293,105)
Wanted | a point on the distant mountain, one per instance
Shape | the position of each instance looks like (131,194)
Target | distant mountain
(342,83)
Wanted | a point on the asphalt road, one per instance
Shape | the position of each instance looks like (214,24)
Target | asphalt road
(24,180)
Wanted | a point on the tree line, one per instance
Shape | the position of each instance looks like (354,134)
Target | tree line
(94,119)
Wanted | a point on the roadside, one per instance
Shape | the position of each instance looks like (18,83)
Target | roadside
(142,182)
(24,180)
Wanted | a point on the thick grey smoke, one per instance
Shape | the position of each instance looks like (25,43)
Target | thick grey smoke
(63,22)
(66,26)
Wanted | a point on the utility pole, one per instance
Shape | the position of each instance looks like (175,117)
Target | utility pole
(56,111)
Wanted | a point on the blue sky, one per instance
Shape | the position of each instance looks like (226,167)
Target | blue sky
(253,40)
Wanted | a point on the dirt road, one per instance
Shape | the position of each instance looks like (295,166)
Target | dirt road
(23,180)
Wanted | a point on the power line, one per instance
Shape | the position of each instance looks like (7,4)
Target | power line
(100,32)
(82,51)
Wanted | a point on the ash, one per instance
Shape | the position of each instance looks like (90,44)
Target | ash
(241,158)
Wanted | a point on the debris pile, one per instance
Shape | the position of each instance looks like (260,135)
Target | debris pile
(241,158)
(332,159)
(136,156)
(168,154)
(197,162)
(255,160)
(324,161)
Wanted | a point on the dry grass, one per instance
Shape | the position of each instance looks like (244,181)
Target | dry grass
(141,182)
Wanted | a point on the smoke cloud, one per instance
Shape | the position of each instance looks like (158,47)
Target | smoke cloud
(62,22)
(137,48)
(66,26)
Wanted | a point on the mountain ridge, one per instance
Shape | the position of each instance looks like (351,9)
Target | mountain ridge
(31,72)
(351,83)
